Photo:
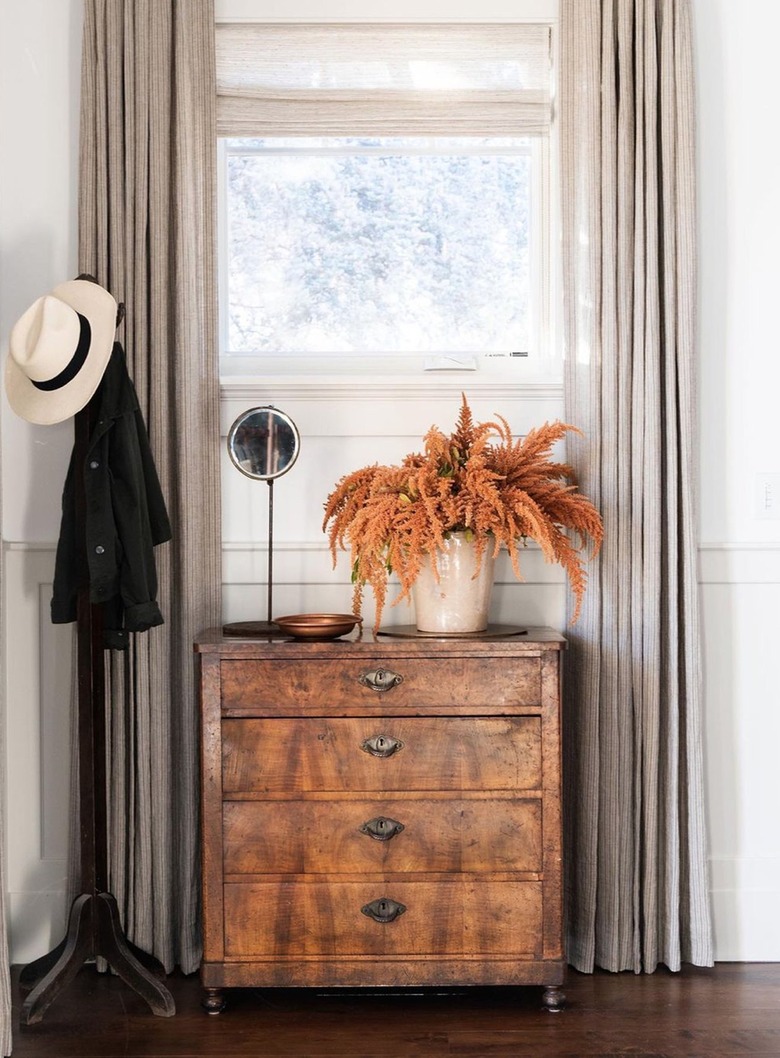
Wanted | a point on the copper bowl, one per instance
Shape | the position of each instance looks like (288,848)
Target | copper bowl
(317,625)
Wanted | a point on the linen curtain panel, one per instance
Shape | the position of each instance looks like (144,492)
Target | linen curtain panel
(147,233)
(637,887)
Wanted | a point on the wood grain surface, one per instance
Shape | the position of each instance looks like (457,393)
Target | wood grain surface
(255,686)
(455,747)
(730,1011)
(273,757)
(459,916)
(325,837)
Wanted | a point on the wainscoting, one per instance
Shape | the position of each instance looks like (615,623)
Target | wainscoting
(344,428)
(37,695)
(740,586)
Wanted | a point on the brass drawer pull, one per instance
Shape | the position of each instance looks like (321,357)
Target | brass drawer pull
(382,828)
(380,680)
(384,909)
(381,745)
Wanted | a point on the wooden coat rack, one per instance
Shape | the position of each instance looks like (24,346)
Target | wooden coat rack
(94,926)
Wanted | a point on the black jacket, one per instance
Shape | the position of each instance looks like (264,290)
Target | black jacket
(125,518)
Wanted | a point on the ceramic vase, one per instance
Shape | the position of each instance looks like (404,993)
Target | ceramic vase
(459,601)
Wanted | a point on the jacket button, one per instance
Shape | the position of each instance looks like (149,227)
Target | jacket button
(94,464)
(99,549)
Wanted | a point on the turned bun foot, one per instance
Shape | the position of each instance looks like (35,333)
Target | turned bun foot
(554,998)
(213,1000)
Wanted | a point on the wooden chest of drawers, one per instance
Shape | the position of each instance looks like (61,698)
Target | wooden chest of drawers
(381,813)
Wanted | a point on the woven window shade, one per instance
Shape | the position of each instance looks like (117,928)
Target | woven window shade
(383,80)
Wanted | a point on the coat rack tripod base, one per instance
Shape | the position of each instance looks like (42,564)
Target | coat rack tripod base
(94,929)
(94,926)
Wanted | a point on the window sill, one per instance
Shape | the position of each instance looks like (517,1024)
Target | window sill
(360,378)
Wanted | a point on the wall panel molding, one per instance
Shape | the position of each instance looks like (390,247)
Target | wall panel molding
(37,690)
(303,562)
(739,563)
(740,583)
(745,896)
(365,408)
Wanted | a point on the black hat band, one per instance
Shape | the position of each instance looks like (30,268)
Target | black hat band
(76,363)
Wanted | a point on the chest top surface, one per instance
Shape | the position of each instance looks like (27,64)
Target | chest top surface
(532,641)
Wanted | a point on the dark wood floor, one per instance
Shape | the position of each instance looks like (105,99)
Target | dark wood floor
(732,1011)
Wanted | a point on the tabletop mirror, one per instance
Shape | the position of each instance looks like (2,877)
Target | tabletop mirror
(263,443)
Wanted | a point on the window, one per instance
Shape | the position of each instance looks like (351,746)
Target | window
(381,246)
(404,212)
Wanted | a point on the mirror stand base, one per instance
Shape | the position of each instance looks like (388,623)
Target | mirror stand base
(254,630)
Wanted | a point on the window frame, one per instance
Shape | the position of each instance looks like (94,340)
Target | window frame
(543,366)
(540,263)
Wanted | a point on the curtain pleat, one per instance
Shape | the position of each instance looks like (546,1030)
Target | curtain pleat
(147,209)
(637,886)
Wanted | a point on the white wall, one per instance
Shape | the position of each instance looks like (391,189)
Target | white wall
(39,73)
(344,425)
(740,556)
(739,158)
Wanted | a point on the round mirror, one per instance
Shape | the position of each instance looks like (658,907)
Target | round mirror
(263,443)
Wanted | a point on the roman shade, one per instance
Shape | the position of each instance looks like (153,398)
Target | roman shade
(383,80)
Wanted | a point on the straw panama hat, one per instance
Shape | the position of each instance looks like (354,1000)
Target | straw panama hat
(58,351)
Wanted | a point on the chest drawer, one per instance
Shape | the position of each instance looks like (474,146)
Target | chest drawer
(458,917)
(255,686)
(316,754)
(350,837)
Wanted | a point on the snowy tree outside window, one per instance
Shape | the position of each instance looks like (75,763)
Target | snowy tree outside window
(379,246)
